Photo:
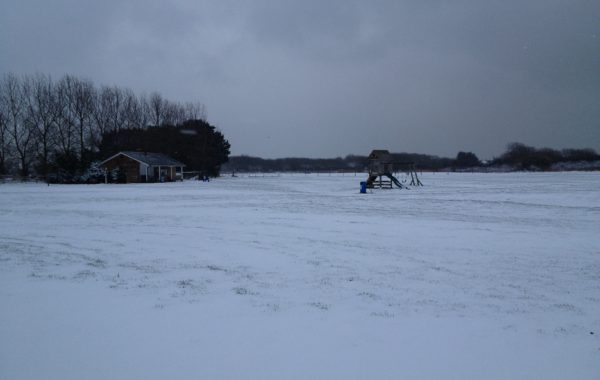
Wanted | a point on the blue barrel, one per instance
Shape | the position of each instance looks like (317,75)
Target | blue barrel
(363,187)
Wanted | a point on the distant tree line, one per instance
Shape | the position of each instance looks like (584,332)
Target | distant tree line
(523,157)
(257,164)
(349,163)
(49,127)
(517,157)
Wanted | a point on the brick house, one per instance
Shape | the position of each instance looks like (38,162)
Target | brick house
(144,167)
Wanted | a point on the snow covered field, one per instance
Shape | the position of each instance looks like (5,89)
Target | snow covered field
(474,276)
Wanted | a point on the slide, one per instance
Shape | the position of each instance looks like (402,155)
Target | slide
(395,180)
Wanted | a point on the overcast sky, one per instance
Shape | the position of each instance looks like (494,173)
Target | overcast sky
(328,78)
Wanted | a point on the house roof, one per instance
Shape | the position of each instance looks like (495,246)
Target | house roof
(152,159)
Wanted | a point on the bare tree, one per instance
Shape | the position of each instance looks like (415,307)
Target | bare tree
(131,112)
(195,111)
(145,112)
(102,113)
(174,113)
(80,96)
(115,104)
(109,111)
(42,113)
(3,138)
(84,108)
(157,108)
(65,127)
(19,130)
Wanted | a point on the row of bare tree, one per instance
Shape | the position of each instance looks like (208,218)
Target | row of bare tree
(41,119)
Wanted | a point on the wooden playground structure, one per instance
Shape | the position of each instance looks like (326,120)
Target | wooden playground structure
(382,170)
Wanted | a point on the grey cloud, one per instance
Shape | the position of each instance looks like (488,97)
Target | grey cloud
(322,78)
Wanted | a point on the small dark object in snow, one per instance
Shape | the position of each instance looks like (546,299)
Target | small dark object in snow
(591,333)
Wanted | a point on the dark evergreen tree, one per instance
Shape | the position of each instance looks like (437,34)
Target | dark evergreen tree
(196,143)
(467,160)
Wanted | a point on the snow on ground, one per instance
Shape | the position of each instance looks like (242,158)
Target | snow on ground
(493,276)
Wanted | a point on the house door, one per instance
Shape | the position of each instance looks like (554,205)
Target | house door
(161,174)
